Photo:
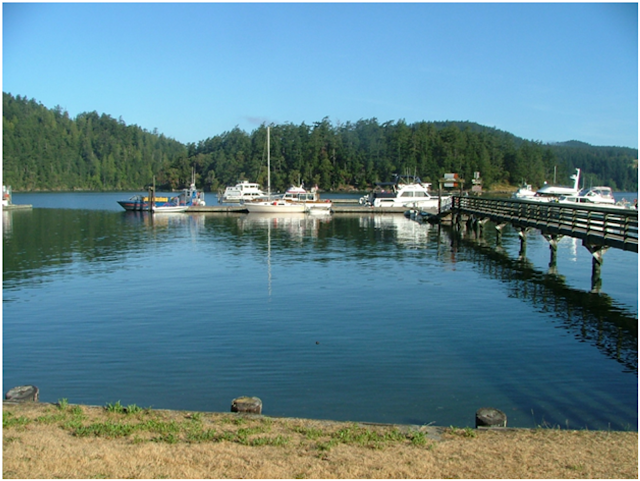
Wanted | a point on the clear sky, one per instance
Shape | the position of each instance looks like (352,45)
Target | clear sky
(542,71)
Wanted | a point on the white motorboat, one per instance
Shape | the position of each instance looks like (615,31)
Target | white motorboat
(241,192)
(599,195)
(411,192)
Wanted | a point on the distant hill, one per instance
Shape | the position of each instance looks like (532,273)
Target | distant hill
(45,149)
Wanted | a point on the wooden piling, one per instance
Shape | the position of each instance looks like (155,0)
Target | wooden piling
(490,417)
(246,404)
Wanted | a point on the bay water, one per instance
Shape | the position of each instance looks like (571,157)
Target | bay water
(368,317)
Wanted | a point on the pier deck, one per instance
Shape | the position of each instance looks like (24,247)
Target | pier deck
(595,225)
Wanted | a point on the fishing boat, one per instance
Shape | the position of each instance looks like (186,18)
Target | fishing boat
(404,191)
(190,197)
(241,192)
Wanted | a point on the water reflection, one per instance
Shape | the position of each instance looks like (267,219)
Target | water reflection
(41,244)
(589,317)
(294,226)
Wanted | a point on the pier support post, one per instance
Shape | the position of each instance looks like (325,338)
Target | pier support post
(457,222)
(522,233)
(553,240)
(499,228)
(597,251)
(481,223)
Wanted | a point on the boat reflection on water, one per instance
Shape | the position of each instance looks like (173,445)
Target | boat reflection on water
(296,225)
(188,222)
(406,232)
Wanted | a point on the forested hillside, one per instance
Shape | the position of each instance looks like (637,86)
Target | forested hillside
(43,149)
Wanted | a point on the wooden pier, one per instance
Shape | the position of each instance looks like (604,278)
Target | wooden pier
(595,225)
(599,227)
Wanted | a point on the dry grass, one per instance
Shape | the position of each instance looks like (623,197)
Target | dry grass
(47,441)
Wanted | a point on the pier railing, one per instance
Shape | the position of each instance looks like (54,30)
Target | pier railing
(595,225)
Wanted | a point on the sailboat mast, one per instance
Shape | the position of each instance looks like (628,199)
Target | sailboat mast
(268,163)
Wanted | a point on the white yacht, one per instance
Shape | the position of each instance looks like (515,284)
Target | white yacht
(404,191)
(548,191)
(241,192)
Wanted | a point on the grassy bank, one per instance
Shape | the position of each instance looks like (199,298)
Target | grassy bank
(69,441)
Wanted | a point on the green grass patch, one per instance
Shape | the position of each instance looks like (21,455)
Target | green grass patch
(309,433)
(463,432)
(10,421)
(107,429)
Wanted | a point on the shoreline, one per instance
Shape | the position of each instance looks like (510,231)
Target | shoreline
(42,440)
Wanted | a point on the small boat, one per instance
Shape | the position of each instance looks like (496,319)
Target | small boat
(599,195)
(241,192)
(404,191)
(169,208)
(524,192)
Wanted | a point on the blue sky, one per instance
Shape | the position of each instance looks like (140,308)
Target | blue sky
(543,71)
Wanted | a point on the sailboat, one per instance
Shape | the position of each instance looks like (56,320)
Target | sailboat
(274,206)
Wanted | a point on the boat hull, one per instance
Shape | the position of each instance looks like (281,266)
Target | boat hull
(431,203)
(274,208)
(170,209)
(318,207)
(133,206)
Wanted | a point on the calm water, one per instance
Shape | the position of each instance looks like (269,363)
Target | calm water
(363,318)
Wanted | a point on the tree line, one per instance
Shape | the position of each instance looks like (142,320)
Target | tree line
(44,149)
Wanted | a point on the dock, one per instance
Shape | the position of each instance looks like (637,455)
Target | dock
(340,206)
(17,207)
